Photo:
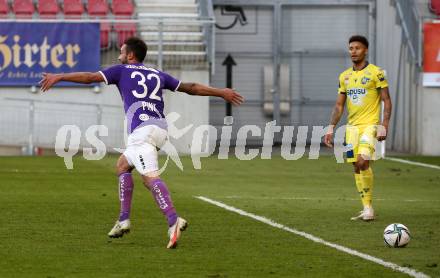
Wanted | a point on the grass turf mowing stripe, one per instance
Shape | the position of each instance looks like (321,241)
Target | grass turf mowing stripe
(406,270)
(413,163)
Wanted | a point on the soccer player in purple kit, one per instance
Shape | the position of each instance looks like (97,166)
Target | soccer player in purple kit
(141,89)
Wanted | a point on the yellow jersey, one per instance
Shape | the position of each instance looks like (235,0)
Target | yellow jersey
(362,88)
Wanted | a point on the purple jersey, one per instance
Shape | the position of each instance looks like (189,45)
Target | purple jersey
(141,91)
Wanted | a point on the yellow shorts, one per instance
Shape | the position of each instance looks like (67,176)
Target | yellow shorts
(361,140)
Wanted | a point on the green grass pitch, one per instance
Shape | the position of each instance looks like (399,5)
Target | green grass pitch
(54,221)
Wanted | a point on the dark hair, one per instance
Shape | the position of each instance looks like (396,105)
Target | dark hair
(359,38)
(138,47)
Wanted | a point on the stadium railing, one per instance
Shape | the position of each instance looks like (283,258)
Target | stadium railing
(412,28)
(174,39)
(30,123)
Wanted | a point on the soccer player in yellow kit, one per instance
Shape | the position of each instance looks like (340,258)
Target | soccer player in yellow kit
(361,88)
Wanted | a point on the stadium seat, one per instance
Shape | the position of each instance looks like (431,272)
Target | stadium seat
(48,8)
(99,9)
(122,8)
(105,29)
(434,6)
(4,9)
(124,31)
(73,9)
(23,8)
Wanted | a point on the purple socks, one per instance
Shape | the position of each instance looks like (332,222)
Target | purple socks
(125,194)
(163,200)
(158,189)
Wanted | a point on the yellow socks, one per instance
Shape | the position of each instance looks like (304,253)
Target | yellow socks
(366,178)
(360,188)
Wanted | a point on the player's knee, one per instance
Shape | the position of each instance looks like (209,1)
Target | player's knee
(356,168)
(123,168)
(363,164)
(148,180)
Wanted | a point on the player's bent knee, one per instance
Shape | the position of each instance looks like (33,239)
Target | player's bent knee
(149,178)
(362,164)
(122,166)
(122,170)
(356,168)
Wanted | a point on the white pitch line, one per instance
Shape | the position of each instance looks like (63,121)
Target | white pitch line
(413,162)
(319,199)
(406,270)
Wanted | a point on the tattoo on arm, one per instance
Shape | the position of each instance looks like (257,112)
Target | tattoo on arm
(82,77)
(188,88)
(338,109)
(387,113)
(385,95)
(336,115)
(191,89)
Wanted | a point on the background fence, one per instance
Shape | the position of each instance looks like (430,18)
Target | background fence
(32,123)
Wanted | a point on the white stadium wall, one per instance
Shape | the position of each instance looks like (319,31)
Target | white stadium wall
(430,122)
(193,110)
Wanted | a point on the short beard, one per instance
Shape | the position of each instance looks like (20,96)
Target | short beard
(358,61)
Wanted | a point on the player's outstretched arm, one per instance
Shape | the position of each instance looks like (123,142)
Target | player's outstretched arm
(50,79)
(338,110)
(228,95)
(387,107)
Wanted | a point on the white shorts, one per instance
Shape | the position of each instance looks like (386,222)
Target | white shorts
(142,147)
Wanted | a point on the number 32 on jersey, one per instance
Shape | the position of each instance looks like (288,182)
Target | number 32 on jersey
(153,95)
